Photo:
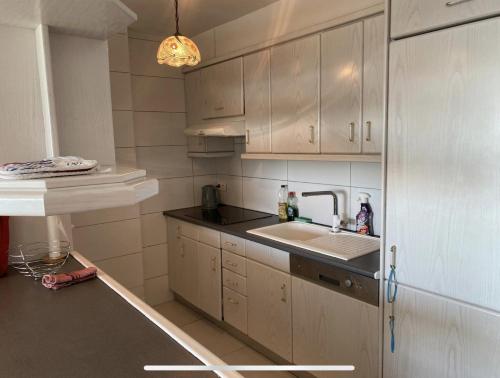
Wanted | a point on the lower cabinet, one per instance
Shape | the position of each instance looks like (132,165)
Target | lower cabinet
(186,276)
(235,309)
(209,280)
(270,308)
(333,329)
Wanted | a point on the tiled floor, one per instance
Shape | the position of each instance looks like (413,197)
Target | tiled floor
(221,343)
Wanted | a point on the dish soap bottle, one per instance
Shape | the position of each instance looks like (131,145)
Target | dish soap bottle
(364,219)
(283,203)
(293,206)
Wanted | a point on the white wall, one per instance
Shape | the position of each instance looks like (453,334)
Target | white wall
(254,184)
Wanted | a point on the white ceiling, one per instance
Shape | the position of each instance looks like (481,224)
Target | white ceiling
(195,16)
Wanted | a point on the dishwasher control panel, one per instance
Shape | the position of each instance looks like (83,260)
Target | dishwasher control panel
(355,285)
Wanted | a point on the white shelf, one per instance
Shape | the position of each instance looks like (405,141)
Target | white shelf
(371,158)
(86,18)
(71,194)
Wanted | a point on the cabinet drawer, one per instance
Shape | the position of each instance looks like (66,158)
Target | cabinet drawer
(233,244)
(414,16)
(234,263)
(188,230)
(208,236)
(234,281)
(268,256)
(235,309)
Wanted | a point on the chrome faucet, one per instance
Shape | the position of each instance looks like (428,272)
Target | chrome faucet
(336,218)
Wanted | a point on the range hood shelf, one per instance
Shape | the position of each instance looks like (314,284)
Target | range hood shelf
(70,194)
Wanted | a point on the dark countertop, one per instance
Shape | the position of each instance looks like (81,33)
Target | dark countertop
(86,330)
(367,265)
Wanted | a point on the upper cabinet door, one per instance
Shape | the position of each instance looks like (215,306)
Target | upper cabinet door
(194,97)
(257,102)
(295,96)
(373,85)
(414,16)
(443,176)
(222,86)
(341,86)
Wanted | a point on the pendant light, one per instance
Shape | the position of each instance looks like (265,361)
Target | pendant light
(177,50)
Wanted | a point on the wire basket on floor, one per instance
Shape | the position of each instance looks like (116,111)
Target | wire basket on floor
(37,259)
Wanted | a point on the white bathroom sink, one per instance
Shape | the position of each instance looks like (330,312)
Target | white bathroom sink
(342,245)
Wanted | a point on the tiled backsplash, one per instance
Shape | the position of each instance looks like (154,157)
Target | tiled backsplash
(254,184)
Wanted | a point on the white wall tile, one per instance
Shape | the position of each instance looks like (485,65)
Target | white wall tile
(270,169)
(118,53)
(320,209)
(204,167)
(123,128)
(107,240)
(366,175)
(165,161)
(230,165)
(155,261)
(375,202)
(126,156)
(320,172)
(261,194)
(234,193)
(125,269)
(199,182)
(174,193)
(156,290)
(158,94)
(154,229)
(159,129)
(105,215)
(143,60)
(121,94)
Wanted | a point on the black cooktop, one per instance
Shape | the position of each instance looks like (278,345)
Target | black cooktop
(225,215)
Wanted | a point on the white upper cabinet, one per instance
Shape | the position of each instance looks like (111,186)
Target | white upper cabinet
(443,124)
(295,96)
(414,16)
(222,89)
(257,102)
(373,85)
(341,89)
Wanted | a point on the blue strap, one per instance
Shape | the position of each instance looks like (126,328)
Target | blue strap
(393,339)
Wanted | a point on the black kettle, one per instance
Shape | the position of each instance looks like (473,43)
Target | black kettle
(209,197)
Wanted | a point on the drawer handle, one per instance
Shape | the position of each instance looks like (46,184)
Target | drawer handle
(283,293)
(456,2)
(248,136)
(233,301)
(231,283)
(213,260)
(368,131)
(218,108)
(229,244)
(311,135)
(351,131)
(230,263)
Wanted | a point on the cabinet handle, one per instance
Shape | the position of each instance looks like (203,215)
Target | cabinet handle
(351,132)
(229,244)
(311,135)
(228,262)
(218,108)
(233,301)
(283,293)
(248,136)
(183,253)
(213,260)
(456,2)
(178,235)
(231,283)
(368,131)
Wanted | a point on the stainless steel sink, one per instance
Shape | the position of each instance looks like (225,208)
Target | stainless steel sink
(342,245)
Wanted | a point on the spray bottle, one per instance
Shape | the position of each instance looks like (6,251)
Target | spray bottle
(364,219)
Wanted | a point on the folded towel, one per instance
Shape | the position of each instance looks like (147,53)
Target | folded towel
(57,281)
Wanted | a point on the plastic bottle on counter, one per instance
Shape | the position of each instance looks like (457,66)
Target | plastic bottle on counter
(364,219)
(283,203)
(293,206)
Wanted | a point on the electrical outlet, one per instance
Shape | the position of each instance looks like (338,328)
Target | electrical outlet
(222,187)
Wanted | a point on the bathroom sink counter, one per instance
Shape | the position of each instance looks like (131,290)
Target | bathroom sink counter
(367,265)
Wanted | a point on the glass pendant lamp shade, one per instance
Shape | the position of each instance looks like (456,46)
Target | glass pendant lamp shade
(177,50)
